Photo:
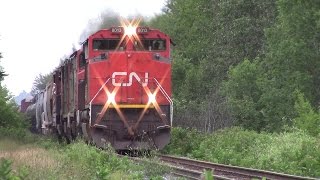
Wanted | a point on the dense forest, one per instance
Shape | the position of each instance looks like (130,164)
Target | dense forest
(251,63)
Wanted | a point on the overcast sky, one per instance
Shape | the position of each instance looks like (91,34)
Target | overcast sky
(35,34)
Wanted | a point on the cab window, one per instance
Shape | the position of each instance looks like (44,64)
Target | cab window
(151,45)
(106,44)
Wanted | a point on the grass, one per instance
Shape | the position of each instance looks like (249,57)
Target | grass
(43,158)
(37,161)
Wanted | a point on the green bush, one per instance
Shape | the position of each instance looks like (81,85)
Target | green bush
(94,162)
(105,164)
(25,136)
(293,152)
(184,141)
(307,118)
(10,117)
(12,122)
(5,169)
(6,172)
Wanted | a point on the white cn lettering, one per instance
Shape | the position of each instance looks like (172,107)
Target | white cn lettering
(131,76)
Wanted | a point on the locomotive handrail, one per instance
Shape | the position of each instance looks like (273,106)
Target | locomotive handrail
(90,104)
(168,98)
(163,91)
(99,90)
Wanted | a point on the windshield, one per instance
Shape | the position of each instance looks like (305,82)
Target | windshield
(151,45)
(106,44)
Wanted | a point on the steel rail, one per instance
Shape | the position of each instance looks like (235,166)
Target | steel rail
(228,171)
(178,171)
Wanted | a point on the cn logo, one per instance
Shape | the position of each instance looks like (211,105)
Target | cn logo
(131,76)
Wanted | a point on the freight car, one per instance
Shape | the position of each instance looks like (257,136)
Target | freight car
(115,89)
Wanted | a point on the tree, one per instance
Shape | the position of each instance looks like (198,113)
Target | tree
(243,92)
(291,63)
(2,73)
(307,119)
(10,118)
(40,83)
(212,35)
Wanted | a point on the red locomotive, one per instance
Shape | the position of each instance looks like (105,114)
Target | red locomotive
(116,89)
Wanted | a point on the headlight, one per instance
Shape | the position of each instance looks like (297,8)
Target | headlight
(152,98)
(130,30)
(111,98)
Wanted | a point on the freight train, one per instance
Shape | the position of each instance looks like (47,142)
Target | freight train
(115,89)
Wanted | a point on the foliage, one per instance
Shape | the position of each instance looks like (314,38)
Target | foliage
(211,36)
(290,64)
(243,92)
(2,73)
(5,169)
(263,51)
(12,132)
(307,118)
(208,175)
(6,172)
(293,152)
(40,83)
(41,157)
(184,141)
(105,164)
(292,59)
(10,117)
(93,162)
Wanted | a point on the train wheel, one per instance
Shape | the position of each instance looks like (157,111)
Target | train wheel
(69,135)
(57,135)
(67,132)
(74,132)
(86,133)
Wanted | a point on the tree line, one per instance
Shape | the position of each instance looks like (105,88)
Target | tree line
(10,119)
(251,63)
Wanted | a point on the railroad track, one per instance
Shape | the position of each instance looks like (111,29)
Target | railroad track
(176,170)
(222,171)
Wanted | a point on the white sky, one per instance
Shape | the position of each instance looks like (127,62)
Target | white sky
(35,34)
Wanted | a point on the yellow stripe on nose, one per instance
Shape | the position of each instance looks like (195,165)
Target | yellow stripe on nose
(131,106)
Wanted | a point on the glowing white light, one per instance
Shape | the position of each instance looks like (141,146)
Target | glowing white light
(111,98)
(130,30)
(152,98)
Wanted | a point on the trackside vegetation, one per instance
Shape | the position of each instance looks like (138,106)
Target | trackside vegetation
(292,152)
(34,157)
(10,120)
